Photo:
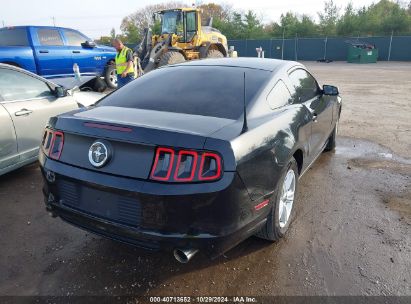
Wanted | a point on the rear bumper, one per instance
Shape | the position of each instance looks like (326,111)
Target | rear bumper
(212,246)
(210,217)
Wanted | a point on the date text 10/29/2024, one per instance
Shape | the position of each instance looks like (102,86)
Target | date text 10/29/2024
(203,300)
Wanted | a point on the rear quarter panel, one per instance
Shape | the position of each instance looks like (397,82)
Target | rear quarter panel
(21,56)
(266,148)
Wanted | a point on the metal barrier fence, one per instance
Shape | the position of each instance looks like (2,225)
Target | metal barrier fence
(395,48)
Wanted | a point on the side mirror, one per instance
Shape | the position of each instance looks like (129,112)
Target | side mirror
(60,92)
(89,44)
(330,90)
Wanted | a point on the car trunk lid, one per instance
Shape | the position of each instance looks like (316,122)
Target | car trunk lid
(132,135)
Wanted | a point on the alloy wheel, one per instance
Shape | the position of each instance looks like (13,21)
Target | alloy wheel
(287,198)
(113,77)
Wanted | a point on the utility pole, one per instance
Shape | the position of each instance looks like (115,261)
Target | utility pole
(54,21)
(4,23)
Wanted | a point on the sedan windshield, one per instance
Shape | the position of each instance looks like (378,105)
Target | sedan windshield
(197,90)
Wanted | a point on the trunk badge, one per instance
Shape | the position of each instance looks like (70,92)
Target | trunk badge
(99,154)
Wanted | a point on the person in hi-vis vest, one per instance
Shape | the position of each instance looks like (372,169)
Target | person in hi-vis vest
(124,63)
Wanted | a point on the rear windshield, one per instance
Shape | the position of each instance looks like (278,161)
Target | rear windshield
(13,37)
(197,90)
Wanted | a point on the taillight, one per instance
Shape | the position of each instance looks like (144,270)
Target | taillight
(210,168)
(163,164)
(46,143)
(187,166)
(52,143)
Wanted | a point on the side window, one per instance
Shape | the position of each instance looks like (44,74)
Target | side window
(74,38)
(13,37)
(279,96)
(191,25)
(18,86)
(49,37)
(306,86)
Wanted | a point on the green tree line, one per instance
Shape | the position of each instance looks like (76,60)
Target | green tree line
(381,18)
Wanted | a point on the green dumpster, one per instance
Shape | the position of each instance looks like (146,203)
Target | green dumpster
(362,53)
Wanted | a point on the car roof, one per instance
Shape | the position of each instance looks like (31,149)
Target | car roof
(13,67)
(37,26)
(243,62)
(18,69)
(184,9)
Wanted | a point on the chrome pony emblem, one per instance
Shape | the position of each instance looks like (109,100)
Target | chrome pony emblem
(98,154)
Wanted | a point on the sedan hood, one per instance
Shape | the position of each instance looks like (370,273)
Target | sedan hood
(70,82)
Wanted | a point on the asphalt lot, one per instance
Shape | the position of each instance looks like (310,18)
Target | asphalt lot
(351,235)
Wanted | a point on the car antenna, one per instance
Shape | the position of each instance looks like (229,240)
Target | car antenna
(245,126)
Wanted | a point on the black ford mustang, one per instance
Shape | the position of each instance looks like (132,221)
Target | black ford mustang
(196,156)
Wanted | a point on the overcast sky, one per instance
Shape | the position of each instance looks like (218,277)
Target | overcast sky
(97,17)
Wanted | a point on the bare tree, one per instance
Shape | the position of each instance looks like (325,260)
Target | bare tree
(217,11)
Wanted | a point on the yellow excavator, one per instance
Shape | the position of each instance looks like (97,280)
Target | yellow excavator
(182,37)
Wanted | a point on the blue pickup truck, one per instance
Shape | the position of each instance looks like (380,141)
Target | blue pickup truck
(51,52)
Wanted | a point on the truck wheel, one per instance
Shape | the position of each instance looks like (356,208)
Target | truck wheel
(283,205)
(171,57)
(111,76)
(214,54)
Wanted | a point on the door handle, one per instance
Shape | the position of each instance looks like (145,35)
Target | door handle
(23,112)
(44,51)
(315,117)
(76,52)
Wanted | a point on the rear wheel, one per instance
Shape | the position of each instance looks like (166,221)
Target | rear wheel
(171,57)
(282,209)
(213,53)
(111,76)
(332,139)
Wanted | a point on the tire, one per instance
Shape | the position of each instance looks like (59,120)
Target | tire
(110,76)
(275,228)
(214,54)
(95,85)
(331,143)
(171,57)
(99,85)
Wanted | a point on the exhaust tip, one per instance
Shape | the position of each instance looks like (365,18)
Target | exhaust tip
(184,255)
(180,256)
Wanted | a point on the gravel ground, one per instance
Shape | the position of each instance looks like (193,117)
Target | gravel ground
(351,235)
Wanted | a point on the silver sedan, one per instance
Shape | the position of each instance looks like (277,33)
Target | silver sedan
(26,103)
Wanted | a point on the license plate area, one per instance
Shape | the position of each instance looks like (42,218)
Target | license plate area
(106,205)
